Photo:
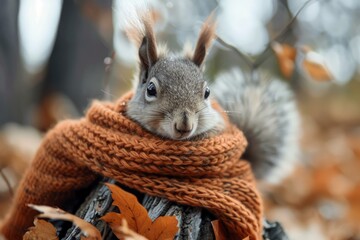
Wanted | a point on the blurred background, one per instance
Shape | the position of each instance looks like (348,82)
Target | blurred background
(56,56)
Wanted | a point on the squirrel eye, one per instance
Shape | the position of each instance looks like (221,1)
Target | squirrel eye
(151,90)
(207,93)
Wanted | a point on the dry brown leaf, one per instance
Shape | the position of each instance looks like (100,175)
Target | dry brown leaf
(134,213)
(163,228)
(41,231)
(124,232)
(286,55)
(89,231)
(314,65)
(317,71)
(115,222)
(137,217)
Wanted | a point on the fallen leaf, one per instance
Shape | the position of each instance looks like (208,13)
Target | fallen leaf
(314,65)
(316,71)
(286,55)
(88,230)
(137,217)
(134,213)
(124,232)
(163,228)
(41,231)
(115,221)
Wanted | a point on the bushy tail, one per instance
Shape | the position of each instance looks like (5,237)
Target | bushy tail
(265,110)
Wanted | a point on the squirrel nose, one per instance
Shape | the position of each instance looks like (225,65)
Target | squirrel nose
(183,128)
(184,125)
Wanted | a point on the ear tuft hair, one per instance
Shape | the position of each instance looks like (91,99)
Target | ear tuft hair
(139,29)
(207,34)
(148,49)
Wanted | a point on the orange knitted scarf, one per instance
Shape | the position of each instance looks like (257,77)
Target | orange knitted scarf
(205,173)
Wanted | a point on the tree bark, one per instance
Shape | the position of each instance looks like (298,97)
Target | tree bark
(194,222)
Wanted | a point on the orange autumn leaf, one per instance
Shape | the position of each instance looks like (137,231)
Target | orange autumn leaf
(124,232)
(286,57)
(316,71)
(115,221)
(134,213)
(41,230)
(314,65)
(163,228)
(137,217)
(89,231)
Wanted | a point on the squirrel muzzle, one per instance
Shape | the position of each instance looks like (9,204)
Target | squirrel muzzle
(184,125)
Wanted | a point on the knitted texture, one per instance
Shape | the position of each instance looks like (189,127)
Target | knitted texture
(205,173)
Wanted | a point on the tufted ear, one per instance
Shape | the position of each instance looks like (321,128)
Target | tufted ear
(207,34)
(139,29)
(147,50)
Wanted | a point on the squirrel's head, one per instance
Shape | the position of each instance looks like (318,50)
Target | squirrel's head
(172,98)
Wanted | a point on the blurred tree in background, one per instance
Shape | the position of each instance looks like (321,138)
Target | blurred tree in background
(58,47)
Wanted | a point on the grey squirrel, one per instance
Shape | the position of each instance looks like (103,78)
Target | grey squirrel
(172,99)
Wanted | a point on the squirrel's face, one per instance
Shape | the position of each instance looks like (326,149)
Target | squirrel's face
(173,100)
(172,97)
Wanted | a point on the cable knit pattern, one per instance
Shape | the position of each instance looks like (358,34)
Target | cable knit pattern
(205,173)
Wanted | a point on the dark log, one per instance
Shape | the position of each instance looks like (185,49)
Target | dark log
(194,222)
(96,205)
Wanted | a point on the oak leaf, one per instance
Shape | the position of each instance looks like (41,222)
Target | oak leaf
(40,231)
(137,217)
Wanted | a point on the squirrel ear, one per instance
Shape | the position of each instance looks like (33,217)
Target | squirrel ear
(207,34)
(139,29)
(147,52)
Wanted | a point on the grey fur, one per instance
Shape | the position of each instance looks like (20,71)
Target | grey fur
(180,98)
(265,110)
